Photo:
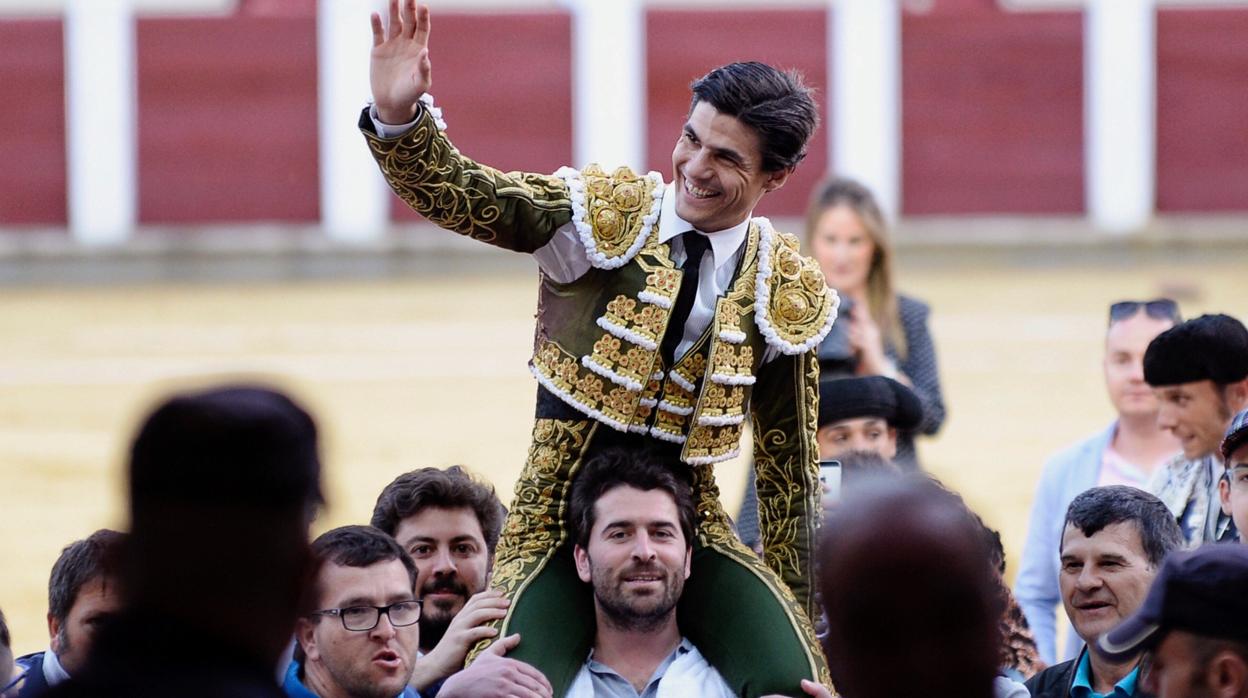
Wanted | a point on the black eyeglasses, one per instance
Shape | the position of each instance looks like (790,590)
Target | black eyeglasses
(365,618)
(1158,309)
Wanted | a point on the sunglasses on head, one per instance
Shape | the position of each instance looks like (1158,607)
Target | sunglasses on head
(1158,309)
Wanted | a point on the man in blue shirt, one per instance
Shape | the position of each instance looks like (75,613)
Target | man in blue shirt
(1112,546)
(82,595)
(362,639)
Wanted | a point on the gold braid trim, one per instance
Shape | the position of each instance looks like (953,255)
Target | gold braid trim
(715,530)
(515,210)
(536,523)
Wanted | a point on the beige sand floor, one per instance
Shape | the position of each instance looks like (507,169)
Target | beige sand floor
(408,373)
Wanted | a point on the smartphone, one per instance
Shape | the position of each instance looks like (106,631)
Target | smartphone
(830,476)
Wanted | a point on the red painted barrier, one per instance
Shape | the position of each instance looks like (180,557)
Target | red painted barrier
(227,120)
(1202,110)
(32,123)
(992,111)
(683,45)
(504,82)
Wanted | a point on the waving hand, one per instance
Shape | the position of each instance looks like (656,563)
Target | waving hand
(399,67)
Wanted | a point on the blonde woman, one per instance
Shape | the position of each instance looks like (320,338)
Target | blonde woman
(886,333)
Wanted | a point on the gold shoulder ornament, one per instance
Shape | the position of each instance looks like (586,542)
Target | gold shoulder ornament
(793,306)
(613,213)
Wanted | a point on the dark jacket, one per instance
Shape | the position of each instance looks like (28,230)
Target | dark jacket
(32,682)
(1057,680)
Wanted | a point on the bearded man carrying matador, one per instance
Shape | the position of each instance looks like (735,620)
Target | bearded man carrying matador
(666,316)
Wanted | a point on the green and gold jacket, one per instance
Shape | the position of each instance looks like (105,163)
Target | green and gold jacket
(597,338)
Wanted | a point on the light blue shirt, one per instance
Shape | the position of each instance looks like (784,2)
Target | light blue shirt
(1082,687)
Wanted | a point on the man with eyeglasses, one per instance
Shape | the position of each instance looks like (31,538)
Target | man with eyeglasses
(361,640)
(1199,372)
(1127,452)
(1234,486)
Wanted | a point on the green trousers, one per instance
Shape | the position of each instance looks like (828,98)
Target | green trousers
(736,610)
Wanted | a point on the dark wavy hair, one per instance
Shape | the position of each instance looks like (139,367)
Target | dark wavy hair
(640,469)
(453,488)
(777,105)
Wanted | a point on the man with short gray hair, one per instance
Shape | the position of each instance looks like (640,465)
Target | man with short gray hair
(1113,544)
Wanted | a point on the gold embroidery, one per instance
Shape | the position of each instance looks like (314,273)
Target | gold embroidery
(712,441)
(800,302)
(617,204)
(722,400)
(591,393)
(733,360)
(647,322)
(469,198)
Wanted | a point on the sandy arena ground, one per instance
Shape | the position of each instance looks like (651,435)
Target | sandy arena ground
(431,371)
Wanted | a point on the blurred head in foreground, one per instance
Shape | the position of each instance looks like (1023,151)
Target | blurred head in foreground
(223,485)
(887,636)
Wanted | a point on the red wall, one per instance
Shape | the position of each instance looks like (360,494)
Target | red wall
(32,123)
(504,82)
(683,45)
(992,110)
(1202,110)
(227,120)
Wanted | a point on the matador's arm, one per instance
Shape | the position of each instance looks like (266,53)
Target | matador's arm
(517,211)
(786,459)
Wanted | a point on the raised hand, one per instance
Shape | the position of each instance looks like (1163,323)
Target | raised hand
(399,68)
(466,629)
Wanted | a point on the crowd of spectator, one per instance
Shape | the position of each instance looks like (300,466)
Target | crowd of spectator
(215,588)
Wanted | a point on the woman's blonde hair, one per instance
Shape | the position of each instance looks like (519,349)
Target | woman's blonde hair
(841,191)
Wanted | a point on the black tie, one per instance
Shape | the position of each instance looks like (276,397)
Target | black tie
(696,245)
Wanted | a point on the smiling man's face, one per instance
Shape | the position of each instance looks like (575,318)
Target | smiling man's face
(1104,577)
(717,168)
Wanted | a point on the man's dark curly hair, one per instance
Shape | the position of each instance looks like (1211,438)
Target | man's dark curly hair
(453,488)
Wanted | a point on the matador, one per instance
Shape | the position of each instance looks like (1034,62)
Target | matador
(667,316)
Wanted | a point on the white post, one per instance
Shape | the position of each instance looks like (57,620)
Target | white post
(864,57)
(354,196)
(1120,112)
(609,98)
(100,120)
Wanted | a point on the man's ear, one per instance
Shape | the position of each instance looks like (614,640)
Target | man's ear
(1237,395)
(1227,674)
(688,561)
(581,556)
(1224,495)
(776,179)
(305,635)
(54,633)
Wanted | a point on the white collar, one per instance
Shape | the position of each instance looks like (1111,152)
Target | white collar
(724,243)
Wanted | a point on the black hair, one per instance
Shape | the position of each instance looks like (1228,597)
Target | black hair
(229,446)
(641,469)
(453,488)
(1099,507)
(775,104)
(97,556)
(361,546)
(1210,347)
(6,640)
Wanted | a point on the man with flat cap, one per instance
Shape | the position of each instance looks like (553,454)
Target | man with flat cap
(1195,621)
(864,413)
(1199,371)
(858,416)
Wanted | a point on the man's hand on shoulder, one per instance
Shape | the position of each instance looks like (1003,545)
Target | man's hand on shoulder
(465,631)
(493,675)
(399,68)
